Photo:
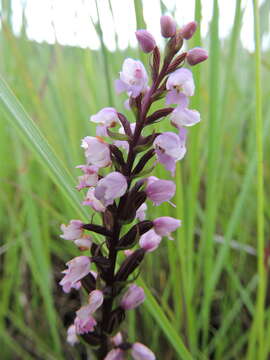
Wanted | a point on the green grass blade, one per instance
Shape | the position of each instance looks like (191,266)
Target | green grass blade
(156,311)
(260,311)
(40,146)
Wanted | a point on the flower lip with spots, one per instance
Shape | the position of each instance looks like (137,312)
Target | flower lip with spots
(180,83)
(170,148)
(133,78)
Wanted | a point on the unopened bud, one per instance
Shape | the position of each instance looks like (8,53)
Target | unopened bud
(146,40)
(133,297)
(196,55)
(168,26)
(173,46)
(188,30)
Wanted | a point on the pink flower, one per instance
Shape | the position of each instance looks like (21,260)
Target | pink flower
(146,40)
(111,187)
(182,116)
(188,30)
(72,338)
(170,148)
(140,213)
(196,55)
(141,352)
(117,339)
(77,269)
(133,297)
(84,326)
(179,83)
(168,26)
(92,201)
(160,190)
(94,302)
(84,243)
(150,240)
(115,354)
(90,177)
(96,151)
(107,116)
(72,231)
(133,78)
(164,225)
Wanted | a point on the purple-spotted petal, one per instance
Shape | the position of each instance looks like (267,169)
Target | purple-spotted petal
(181,80)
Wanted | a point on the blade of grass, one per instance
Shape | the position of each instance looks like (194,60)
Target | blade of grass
(212,165)
(259,316)
(39,145)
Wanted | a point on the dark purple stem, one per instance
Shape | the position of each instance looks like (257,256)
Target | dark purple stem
(143,108)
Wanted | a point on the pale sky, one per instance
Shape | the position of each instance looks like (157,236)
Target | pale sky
(70,20)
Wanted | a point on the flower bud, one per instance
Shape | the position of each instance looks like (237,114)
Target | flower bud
(196,55)
(164,225)
(140,213)
(188,30)
(146,40)
(72,338)
(168,26)
(115,354)
(133,297)
(117,339)
(160,190)
(173,46)
(150,241)
(141,352)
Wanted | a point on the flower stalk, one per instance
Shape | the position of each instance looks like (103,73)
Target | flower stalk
(120,196)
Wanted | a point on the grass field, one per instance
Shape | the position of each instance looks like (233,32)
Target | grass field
(207,292)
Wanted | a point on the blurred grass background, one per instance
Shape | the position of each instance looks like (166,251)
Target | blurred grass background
(210,287)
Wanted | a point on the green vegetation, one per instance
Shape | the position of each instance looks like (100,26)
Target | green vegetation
(207,292)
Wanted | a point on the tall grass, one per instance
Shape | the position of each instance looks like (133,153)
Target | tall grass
(206,294)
